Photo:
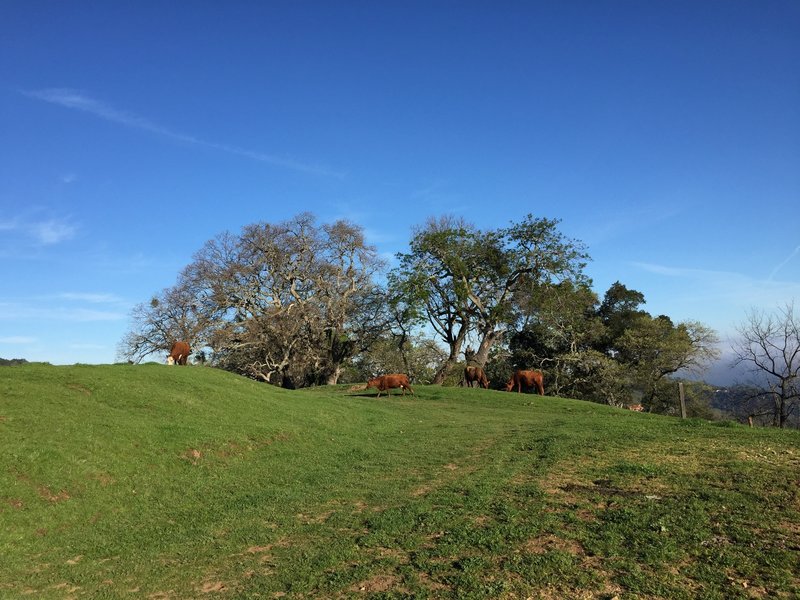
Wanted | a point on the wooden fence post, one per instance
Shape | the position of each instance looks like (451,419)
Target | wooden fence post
(683,400)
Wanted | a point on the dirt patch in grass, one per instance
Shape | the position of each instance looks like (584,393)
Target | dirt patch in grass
(265,552)
(378,584)
(231,449)
(14,503)
(76,387)
(212,587)
(394,554)
(43,491)
(428,583)
(193,455)
(601,487)
(548,543)
(315,519)
(46,493)
(103,478)
(423,490)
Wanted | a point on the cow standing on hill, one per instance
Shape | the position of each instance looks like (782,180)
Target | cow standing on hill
(526,379)
(179,353)
(384,383)
(473,374)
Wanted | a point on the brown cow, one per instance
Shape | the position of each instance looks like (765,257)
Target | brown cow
(178,354)
(472,374)
(384,383)
(526,379)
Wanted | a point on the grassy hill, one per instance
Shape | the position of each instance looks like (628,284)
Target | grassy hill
(156,482)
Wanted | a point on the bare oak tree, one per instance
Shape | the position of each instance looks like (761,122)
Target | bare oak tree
(169,316)
(285,303)
(770,345)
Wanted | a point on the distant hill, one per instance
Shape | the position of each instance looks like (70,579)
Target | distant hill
(149,481)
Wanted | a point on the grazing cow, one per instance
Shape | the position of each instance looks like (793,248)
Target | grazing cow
(384,383)
(526,379)
(178,354)
(636,407)
(473,374)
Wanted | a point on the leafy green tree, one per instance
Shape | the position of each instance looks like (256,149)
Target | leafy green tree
(428,278)
(466,279)
(611,352)
(654,348)
(561,328)
(618,311)
(418,356)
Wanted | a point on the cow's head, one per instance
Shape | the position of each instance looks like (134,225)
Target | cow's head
(170,360)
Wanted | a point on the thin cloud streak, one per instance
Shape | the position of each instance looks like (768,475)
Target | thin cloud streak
(15,312)
(91,298)
(621,221)
(75,100)
(17,340)
(783,263)
(727,287)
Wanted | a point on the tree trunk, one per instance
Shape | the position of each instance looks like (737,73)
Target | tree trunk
(455,350)
(401,346)
(333,377)
(446,367)
(488,340)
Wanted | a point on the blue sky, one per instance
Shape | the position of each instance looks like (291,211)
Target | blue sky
(664,135)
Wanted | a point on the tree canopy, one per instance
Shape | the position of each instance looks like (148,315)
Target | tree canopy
(301,303)
(466,279)
(286,302)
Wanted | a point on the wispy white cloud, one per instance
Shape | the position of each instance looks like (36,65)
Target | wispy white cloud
(36,232)
(17,340)
(17,312)
(440,197)
(9,224)
(52,231)
(620,221)
(726,288)
(77,100)
(90,297)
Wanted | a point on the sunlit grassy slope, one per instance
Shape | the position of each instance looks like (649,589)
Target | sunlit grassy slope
(184,482)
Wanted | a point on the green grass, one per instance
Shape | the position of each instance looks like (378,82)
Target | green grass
(169,483)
